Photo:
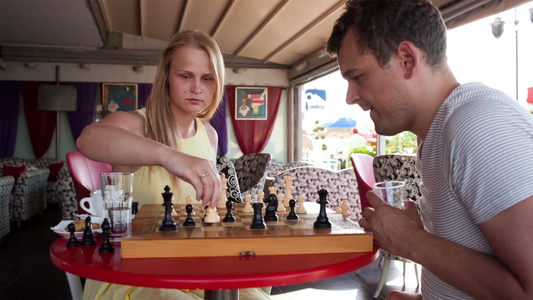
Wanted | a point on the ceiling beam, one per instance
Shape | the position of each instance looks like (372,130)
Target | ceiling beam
(222,17)
(271,15)
(99,19)
(306,29)
(182,16)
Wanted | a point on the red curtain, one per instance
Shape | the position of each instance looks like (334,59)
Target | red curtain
(41,124)
(253,135)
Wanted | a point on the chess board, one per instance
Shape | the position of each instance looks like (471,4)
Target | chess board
(236,238)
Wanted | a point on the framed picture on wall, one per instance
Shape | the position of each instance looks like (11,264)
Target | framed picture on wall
(118,96)
(251,103)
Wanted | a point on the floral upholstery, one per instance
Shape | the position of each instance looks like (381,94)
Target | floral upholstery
(275,167)
(308,180)
(251,171)
(225,166)
(6,187)
(401,168)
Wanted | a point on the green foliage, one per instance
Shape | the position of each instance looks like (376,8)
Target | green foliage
(363,150)
(324,147)
(404,142)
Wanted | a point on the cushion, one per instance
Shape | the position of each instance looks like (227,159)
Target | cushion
(226,167)
(54,170)
(14,171)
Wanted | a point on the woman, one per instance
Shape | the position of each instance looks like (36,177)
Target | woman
(168,143)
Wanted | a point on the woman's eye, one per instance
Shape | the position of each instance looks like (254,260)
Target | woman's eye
(208,78)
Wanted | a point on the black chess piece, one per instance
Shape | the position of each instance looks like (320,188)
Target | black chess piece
(292,214)
(88,237)
(134,207)
(168,223)
(322,220)
(189,220)
(272,207)
(229,215)
(106,232)
(257,220)
(72,241)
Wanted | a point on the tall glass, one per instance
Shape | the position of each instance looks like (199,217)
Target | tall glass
(392,192)
(117,193)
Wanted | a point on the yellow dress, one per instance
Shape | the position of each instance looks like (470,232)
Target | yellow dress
(148,191)
(147,188)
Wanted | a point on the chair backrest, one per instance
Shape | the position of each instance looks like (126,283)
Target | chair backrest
(85,175)
(401,167)
(364,173)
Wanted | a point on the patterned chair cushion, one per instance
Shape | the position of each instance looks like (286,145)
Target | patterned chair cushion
(401,168)
(6,187)
(225,166)
(308,180)
(251,171)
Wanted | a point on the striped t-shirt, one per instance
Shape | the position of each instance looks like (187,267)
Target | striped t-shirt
(475,162)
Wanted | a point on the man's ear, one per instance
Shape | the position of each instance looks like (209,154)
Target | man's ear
(409,56)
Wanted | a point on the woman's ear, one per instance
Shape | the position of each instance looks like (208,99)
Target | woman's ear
(409,56)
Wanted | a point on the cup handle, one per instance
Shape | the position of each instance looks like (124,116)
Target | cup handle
(87,208)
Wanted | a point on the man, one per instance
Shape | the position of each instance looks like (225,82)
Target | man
(477,203)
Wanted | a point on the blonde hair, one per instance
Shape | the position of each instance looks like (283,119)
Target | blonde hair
(159,118)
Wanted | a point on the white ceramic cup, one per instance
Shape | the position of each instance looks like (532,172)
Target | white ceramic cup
(94,205)
(117,193)
(392,192)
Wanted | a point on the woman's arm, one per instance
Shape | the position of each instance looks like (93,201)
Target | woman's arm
(119,140)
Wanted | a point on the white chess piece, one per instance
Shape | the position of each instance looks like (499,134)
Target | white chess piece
(223,199)
(288,190)
(344,210)
(301,208)
(280,208)
(247,205)
(188,200)
(211,215)
(272,190)
(260,196)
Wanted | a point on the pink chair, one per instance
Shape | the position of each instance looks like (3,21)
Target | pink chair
(85,175)
(364,173)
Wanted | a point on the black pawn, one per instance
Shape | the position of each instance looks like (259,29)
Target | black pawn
(88,237)
(322,220)
(229,215)
(168,223)
(292,214)
(272,207)
(189,220)
(106,232)
(257,220)
(72,241)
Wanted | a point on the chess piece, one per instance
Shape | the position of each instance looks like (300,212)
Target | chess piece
(72,241)
(189,220)
(168,223)
(288,191)
(292,214)
(188,200)
(88,237)
(322,221)
(257,220)
(280,207)
(229,215)
(301,208)
(344,210)
(272,190)
(134,207)
(211,215)
(247,206)
(260,196)
(223,199)
(106,232)
(272,207)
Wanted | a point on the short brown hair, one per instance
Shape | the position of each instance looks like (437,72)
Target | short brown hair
(380,25)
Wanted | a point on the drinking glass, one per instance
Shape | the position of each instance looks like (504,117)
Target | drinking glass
(392,192)
(117,193)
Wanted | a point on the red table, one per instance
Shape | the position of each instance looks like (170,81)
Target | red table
(214,274)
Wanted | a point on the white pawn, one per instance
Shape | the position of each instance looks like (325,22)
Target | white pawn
(301,208)
(188,200)
(223,199)
(288,191)
(247,205)
(344,210)
(260,196)
(280,208)
(211,216)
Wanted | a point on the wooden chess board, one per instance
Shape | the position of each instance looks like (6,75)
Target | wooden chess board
(236,238)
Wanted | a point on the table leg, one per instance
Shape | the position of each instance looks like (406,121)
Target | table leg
(221,294)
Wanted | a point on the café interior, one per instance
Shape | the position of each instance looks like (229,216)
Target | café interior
(94,45)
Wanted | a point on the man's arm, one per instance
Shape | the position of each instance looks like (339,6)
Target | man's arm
(508,275)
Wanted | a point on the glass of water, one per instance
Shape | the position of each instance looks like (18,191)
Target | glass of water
(117,193)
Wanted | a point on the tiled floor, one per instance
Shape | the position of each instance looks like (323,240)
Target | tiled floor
(27,273)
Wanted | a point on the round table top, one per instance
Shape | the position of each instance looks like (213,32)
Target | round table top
(203,272)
